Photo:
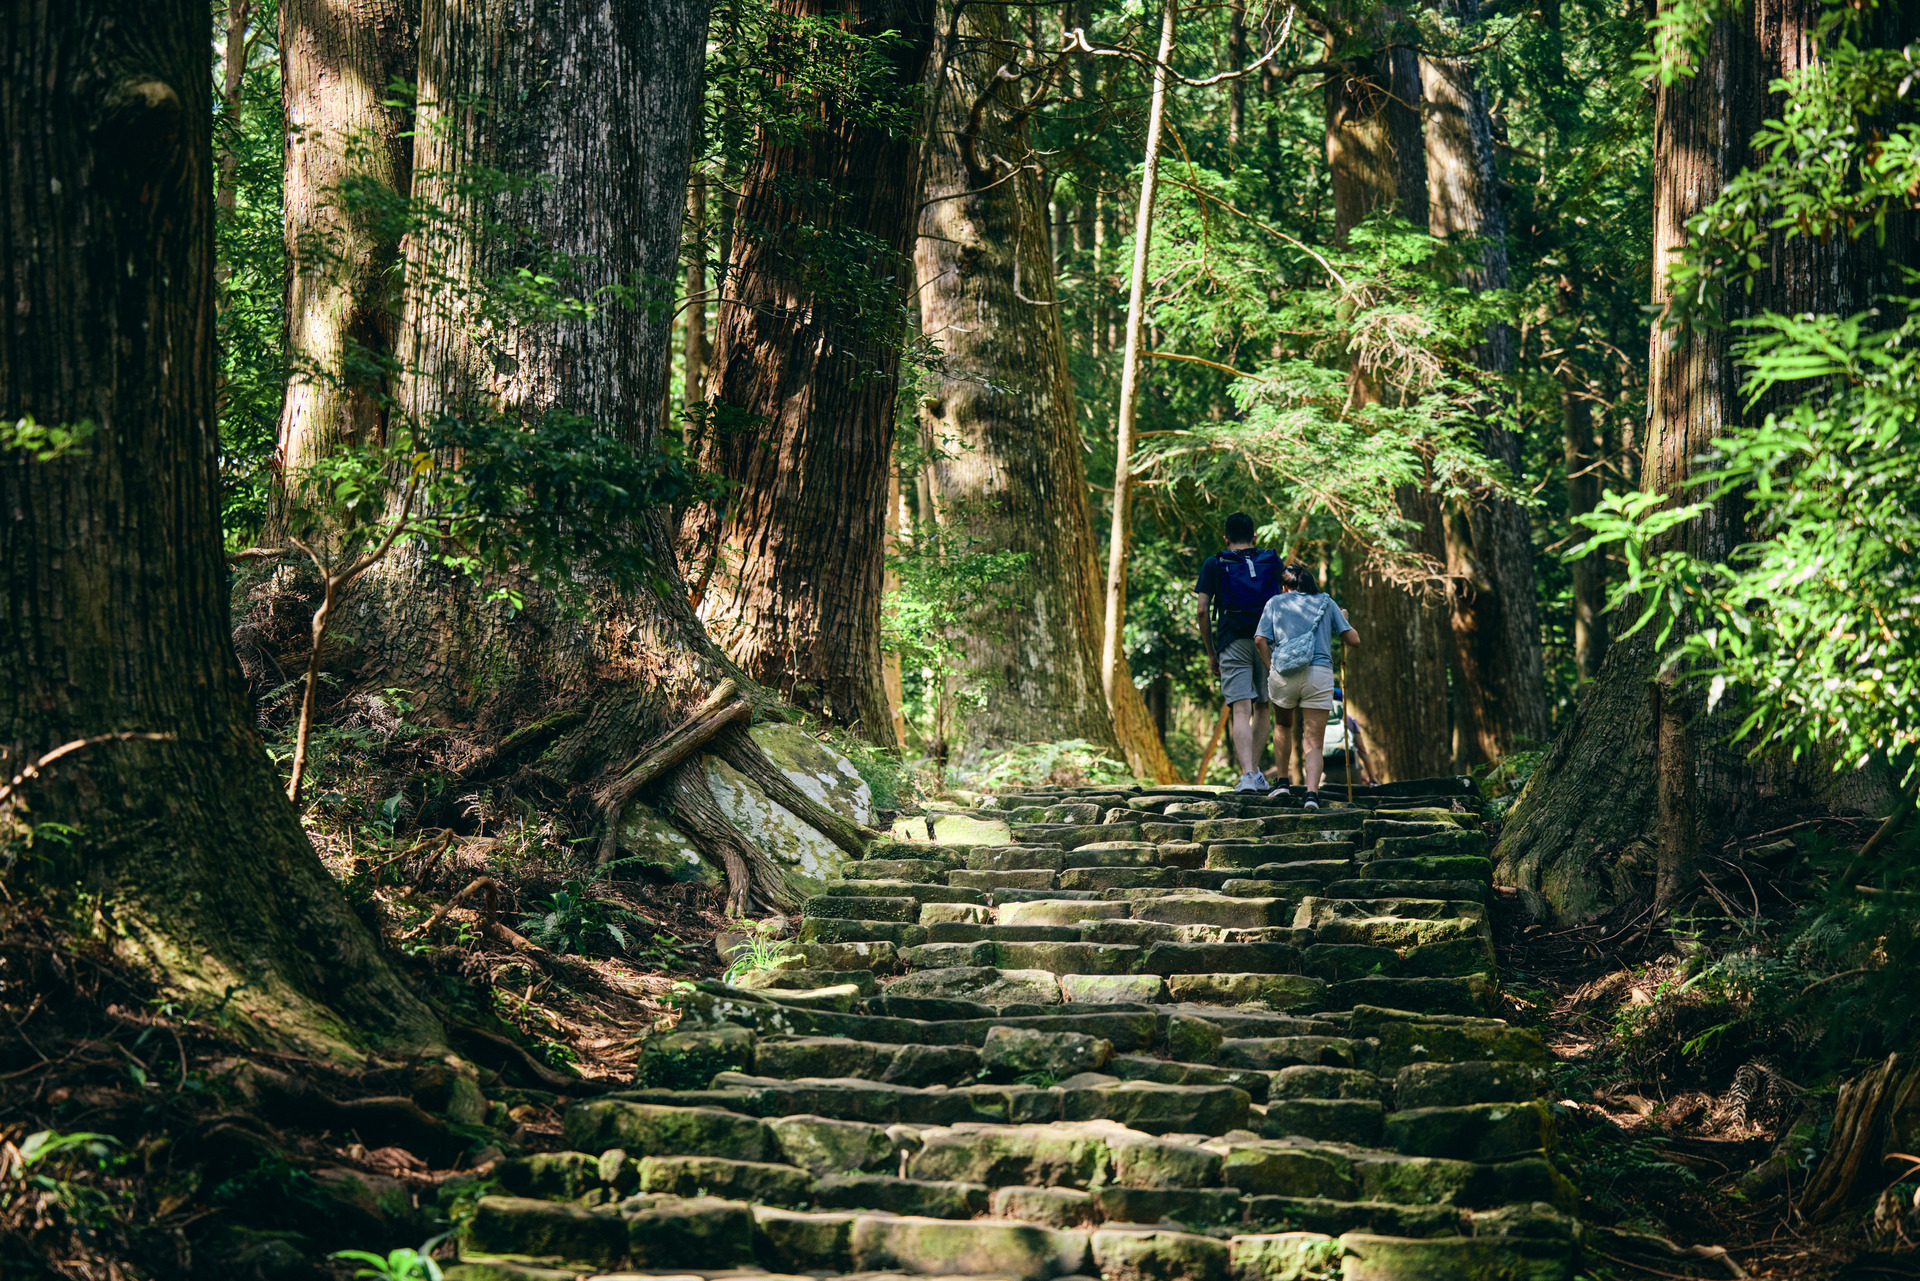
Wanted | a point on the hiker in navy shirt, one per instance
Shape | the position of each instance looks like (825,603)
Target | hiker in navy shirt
(1295,640)
(1234,588)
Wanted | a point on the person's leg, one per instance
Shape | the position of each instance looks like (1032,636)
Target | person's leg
(1242,732)
(1257,736)
(1282,738)
(1314,722)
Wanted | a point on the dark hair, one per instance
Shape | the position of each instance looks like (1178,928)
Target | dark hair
(1300,579)
(1240,528)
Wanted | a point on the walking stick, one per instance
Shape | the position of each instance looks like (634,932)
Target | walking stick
(1346,721)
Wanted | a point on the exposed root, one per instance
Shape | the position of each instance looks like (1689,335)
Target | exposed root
(752,877)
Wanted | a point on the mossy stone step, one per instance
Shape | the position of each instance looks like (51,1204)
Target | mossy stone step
(919,1065)
(1300,1168)
(826,929)
(1011,879)
(1356,1121)
(1366,1257)
(1398,931)
(1458,891)
(1072,836)
(1470,1132)
(1276,1053)
(1111,854)
(1003,897)
(1115,878)
(1207,958)
(801,980)
(1430,867)
(972,932)
(1216,909)
(1015,858)
(1332,1218)
(1426,1085)
(1079,1155)
(919,891)
(1239,855)
(925,871)
(863,908)
(1458,841)
(641,1232)
(890,1193)
(1140,1067)
(1469,994)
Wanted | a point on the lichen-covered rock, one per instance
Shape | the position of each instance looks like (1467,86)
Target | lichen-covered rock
(550,1176)
(1011,1053)
(1055,1207)
(687,1232)
(1191,1040)
(825,774)
(660,1130)
(981,1247)
(545,1229)
(1107,989)
(824,1146)
(661,848)
(807,859)
(1131,1254)
(687,1060)
(734,1180)
(1284,1256)
(981,983)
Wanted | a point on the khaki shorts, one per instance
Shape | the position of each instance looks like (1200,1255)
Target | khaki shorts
(1310,687)
(1242,674)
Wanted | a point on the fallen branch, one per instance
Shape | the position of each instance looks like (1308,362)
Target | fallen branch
(721,708)
(491,886)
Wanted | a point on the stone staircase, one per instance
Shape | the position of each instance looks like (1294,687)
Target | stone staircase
(1143,1035)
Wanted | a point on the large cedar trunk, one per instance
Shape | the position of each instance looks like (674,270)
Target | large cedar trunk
(1012,476)
(336,63)
(1397,678)
(802,390)
(114,618)
(1642,767)
(1499,689)
(602,99)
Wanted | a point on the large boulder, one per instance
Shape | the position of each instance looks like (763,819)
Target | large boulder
(661,849)
(807,859)
(824,774)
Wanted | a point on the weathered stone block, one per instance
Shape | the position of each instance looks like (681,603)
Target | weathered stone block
(1101,989)
(659,1130)
(1059,911)
(824,929)
(687,1060)
(822,1146)
(1135,1255)
(1191,1040)
(735,1180)
(1054,1207)
(1327,1120)
(1430,1085)
(895,1195)
(1283,1256)
(1025,1251)
(1276,991)
(552,1229)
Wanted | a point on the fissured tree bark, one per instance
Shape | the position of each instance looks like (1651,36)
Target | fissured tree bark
(1397,678)
(805,364)
(1499,686)
(113,620)
(337,62)
(588,111)
(1012,477)
(1642,780)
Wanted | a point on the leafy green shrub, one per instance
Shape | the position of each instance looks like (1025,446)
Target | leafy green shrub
(884,769)
(575,919)
(1070,763)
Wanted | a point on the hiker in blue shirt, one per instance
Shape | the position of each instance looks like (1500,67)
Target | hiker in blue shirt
(1239,582)
(1295,644)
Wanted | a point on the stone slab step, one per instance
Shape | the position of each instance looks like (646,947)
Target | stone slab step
(1128,1030)
(1053,910)
(927,871)
(1425,1085)
(1277,1053)
(896,887)
(1140,1067)
(1468,891)
(1205,958)
(1430,867)
(1215,909)
(1472,994)
(1251,854)
(1365,1257)
(1072,836)
(972,932)
(1340,1172)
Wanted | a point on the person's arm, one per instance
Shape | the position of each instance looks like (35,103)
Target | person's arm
(1266,651)
(1204,618)
(1351,637)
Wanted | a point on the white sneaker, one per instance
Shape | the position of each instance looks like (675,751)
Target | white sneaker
(1312,801)
(1252,781)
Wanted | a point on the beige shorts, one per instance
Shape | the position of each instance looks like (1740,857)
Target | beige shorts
(1310,687)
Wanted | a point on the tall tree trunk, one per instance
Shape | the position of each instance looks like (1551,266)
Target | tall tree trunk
(1237,88)
(233,80)
(336,63)
(1012,477)
(806,358)
(1589,585)
(694,352)
(1499,683)
(602,99)
(1398,675)
(113,620)
(1639,764)
(1146,754)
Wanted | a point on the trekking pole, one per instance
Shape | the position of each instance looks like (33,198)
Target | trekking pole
(1346,721)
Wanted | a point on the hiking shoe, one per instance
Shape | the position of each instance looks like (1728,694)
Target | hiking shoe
(1251,781)
(1312,802)
(1281,793)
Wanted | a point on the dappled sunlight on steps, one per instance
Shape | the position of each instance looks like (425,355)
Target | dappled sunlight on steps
(1135,1035)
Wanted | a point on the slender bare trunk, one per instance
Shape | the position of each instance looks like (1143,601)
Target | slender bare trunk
(1120,536)
(694,351)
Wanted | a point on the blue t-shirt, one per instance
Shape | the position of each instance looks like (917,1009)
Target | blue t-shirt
(1291,613)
